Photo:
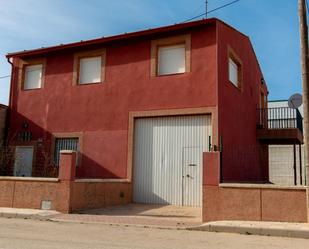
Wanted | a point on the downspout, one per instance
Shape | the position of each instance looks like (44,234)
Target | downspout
(11,82)
(10,105)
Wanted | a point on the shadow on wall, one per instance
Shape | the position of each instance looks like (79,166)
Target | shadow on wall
(24,132)
(246,163)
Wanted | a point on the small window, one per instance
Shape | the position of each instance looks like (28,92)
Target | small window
(234,72)
(171,59)
(33,77)
(71,143)
(90,70)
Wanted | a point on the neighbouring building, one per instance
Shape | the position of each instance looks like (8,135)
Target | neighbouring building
(3,111)
(286,166)
(172,111)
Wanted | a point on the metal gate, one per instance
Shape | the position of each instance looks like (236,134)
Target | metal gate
(168,152)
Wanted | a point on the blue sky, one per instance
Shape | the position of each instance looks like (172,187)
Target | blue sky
(272,26)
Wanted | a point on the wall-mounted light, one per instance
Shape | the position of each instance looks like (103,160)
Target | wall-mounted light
(25,125)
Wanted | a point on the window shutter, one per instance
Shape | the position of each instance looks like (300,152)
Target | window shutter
(171,59)
(233,72)
(90,70)
(33,76)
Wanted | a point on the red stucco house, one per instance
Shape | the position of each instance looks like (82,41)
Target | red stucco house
(171,115)
(142,106)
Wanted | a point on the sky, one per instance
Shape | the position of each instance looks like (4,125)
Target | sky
(272,26)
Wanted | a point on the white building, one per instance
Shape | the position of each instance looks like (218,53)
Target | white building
(281,157)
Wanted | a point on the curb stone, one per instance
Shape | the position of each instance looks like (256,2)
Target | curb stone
(302,233)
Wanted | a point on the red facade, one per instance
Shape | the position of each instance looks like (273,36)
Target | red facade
(99,113)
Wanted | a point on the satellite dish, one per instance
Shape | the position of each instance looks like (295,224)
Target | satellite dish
(295,101)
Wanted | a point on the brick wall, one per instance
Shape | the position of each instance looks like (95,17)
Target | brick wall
(257,202)
(18,192)
(64,196)
(254,202)
(65,193)
(92,194)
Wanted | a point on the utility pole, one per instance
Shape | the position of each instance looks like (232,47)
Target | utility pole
(206,8)
(303,29)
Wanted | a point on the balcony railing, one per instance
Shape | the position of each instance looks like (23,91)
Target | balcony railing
(279,118)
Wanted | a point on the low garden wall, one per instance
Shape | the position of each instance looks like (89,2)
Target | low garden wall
(30,192)
(92,194)
(255,202)
(64,194)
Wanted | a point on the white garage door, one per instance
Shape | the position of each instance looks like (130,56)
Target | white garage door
(168,154)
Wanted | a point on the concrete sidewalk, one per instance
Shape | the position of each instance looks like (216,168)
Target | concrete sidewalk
(155,216)
(279,229)
(166,217)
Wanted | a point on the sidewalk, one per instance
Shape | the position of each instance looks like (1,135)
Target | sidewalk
(279,229)
(155,216)
(24,213)
(164,217)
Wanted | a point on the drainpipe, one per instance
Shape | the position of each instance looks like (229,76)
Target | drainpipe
(11,82)
(10,105)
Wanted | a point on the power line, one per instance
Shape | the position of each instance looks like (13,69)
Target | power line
(205,13)
(6,76)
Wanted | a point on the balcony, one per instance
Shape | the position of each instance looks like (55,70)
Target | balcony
(281,125)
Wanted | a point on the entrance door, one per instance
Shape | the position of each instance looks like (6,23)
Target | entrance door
(23,161)
(192,176)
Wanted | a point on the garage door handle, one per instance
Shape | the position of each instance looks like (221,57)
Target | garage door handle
(192,165)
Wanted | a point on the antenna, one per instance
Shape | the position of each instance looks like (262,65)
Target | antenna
(206,8)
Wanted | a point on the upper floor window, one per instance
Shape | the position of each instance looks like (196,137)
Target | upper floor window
(171,59)
(90,70)
(234,69)
(33,76)
(170,55)
(233,72)
(89,67)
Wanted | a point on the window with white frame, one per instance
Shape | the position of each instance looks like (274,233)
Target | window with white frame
(90,70)
(234,72)
(33,76)
(171,59)
(67,143)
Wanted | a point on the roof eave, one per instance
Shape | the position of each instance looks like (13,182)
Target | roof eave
(174,27)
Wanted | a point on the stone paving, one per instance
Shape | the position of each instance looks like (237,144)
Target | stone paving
(140,215)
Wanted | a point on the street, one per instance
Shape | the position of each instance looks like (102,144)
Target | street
(33,234)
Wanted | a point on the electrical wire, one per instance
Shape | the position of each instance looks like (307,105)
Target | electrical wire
(215,9)
(6,76)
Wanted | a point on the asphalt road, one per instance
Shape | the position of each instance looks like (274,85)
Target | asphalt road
(31,234)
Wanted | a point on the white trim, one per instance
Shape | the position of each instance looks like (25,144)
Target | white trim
(103,180)
(35,179)
(261,186)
